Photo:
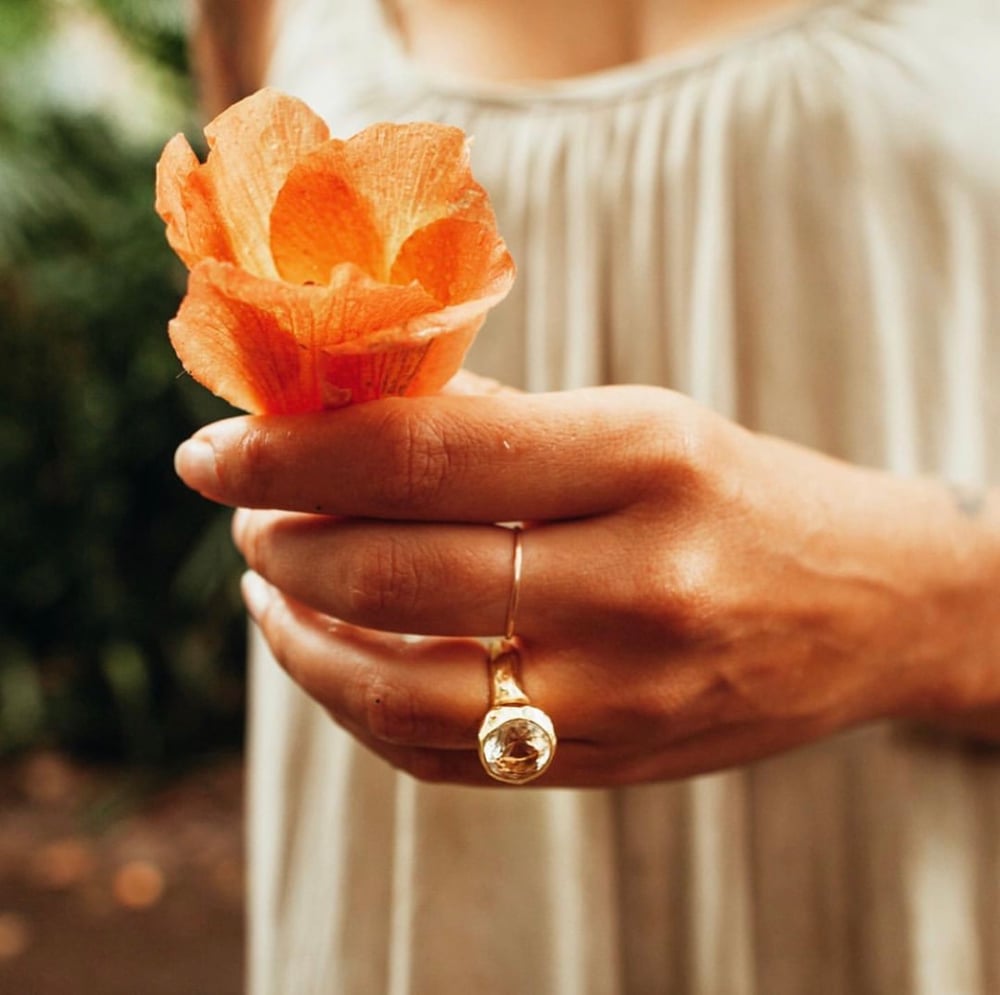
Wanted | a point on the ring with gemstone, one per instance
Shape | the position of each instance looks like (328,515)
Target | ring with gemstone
(517,740)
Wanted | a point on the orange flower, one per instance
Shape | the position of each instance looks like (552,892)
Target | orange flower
(325,272)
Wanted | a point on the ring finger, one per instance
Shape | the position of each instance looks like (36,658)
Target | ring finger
(442,579)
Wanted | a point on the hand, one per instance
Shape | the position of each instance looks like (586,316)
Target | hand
(694,595)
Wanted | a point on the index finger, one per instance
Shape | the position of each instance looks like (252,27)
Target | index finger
(505,457)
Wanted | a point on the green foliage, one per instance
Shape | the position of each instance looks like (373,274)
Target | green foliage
(153,28)
(22,22)
(121,632)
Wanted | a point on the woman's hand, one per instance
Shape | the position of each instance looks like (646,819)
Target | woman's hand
(694,596)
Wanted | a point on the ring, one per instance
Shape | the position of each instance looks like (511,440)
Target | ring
(517,740)
(515,586)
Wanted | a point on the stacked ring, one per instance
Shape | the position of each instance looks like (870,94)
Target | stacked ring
(517,740)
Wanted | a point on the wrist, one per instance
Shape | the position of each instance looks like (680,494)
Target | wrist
(954,655)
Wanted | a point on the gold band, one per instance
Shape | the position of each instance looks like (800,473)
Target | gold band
(505,674)
(515,587)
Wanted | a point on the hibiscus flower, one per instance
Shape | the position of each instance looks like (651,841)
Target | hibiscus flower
(326,272)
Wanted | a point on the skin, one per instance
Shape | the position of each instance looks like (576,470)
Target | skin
(694,595)
(486,39)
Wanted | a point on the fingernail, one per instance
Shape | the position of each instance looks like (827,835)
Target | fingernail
(256,593)
(194,462)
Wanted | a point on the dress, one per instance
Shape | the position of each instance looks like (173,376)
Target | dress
(800,227)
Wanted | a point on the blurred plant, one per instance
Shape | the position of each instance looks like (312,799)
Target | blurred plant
(120,629)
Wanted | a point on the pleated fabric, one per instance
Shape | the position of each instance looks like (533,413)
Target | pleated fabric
(800,227)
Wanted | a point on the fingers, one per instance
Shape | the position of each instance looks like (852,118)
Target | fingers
(416,703)
(502,457)
(447,579)
(415,692)
(395,577)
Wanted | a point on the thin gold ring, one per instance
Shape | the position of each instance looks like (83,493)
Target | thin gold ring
(515,586)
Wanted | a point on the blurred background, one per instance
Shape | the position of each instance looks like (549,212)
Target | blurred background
(121,632)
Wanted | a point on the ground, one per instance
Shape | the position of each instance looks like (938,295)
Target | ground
(120,883)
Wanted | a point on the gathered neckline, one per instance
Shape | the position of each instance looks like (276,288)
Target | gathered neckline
(603,84)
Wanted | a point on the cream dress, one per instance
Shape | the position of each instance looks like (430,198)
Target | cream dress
(799,226)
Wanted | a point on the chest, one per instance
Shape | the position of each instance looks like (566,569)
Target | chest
(506,40)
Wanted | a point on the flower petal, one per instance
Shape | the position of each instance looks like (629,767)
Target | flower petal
(456,260)
(268,346)
(193,228)
(413,175)
(413,366)
(221,209)
(320,220)
(419,357)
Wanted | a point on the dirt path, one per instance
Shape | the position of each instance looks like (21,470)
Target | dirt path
(111,886)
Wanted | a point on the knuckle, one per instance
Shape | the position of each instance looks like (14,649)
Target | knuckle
(383,583)
(688,594)
(388,710)
(672,442)
(689,612)
(250,468)
(419,458)
(675,600)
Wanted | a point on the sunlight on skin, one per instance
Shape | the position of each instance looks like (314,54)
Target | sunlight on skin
(488,40)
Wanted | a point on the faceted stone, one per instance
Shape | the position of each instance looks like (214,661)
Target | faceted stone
(517,750)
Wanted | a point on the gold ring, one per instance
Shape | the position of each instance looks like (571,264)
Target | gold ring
(515,587)
(517,740)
